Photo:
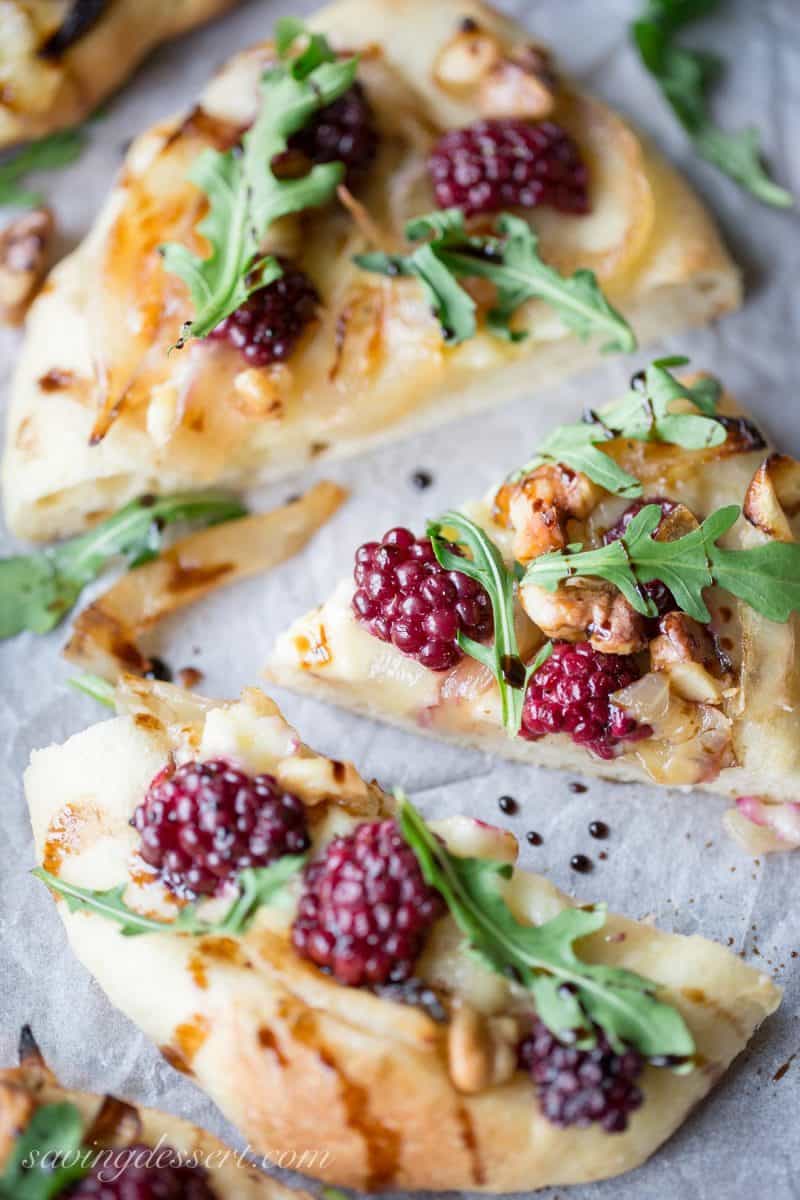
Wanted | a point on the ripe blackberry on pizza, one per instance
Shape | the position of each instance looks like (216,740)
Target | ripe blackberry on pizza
(336,972)
(393,217)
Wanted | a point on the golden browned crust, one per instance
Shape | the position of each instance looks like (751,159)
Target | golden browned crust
(304,1066)
(127,418)
(115,1124)
(40,94)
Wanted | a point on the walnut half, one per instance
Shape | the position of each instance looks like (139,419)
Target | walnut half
(24,246)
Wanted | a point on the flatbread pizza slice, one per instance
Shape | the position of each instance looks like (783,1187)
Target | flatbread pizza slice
(335,972)
(62,57)
(58,1142)
(401,217)
(624,604)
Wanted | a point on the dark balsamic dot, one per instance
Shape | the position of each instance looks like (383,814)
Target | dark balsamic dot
(534,838)
(147,500)
(599,829)
(603,854)
(422,480)
(508,805)
(578,788)
(581,864)
(159,670)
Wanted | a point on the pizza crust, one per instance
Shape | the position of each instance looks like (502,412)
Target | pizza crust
(300,1063)
(327,654)
(39,95)
(28,1087)
(196,418)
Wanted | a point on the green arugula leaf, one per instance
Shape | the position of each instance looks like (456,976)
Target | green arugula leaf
(37,590)
(512,263)
(56,150)
(656,413)
(246,197)
(685,78)
(765,577)
(95,686)
(486,565)
(568,993)
(317,49)
(257,886)
(32,1172)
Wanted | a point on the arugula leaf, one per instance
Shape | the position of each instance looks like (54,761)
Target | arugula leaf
(246,197)
(765,577)
(56,150)
(512,263)
(95,686)
(37,590)
(54,1132)
(486,566)
(656,413)
(257,886)
(685,77)
(568,993)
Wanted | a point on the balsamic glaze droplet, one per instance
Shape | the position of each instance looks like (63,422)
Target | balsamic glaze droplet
(599,829)
(159,670)
(421,480)
(513,669)
(508,805)
(534,838)
(578,788)
(581,863)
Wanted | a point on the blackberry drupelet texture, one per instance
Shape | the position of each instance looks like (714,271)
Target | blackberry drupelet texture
(582,1087)
(403,596)
(267,326)
(570,693)
(365,908)
(341,132)
(509,163)
(204,822)
(114,1180)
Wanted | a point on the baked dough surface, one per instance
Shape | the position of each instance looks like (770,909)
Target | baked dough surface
(299,1062)
(42,92)
(95,368)
(28,1087)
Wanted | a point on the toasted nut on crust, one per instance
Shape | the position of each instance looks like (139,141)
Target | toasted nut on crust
(521,83)
(586,609)
(538,507)
(24,246)
(773,496)
(481,1050)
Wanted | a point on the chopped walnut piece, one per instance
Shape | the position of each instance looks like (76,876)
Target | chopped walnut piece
(539,506)
(481,1050)
(502,82)
(24,246)
(586,609)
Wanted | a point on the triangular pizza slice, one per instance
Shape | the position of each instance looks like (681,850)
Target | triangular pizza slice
(623,604)
(397,219)
(380,1002)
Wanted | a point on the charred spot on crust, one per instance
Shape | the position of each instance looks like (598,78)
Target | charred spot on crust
(743,435)
(81,16)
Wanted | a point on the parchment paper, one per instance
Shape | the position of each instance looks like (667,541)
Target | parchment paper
(667,854)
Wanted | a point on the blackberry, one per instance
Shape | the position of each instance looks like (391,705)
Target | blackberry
(582,1087)
(403,596)
(343,131)
(658,592)
(267,326)
(126,1175)
(570,693)
(509,163)
(204,822)
(365,908)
